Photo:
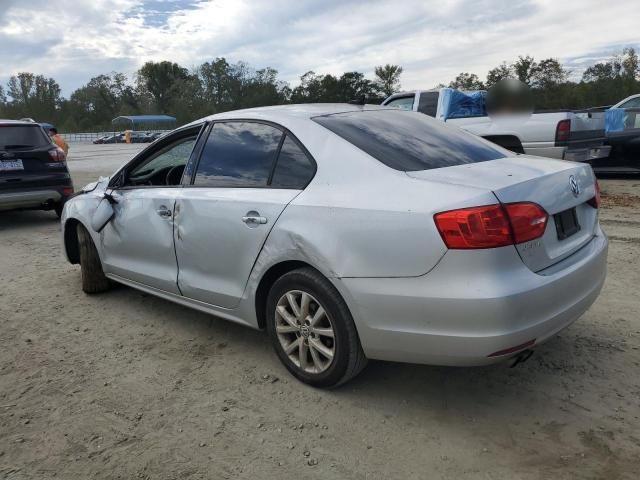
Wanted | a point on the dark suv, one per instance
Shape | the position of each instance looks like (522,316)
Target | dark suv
(33,171)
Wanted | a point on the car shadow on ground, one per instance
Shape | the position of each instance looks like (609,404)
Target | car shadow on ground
(468,390)
(17,219)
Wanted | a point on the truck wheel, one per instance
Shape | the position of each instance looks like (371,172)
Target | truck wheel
(93,279)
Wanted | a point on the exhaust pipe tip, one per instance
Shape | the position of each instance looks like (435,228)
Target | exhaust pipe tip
(521,357)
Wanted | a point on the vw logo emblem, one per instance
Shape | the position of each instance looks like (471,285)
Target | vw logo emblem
(304,330)
(574,185)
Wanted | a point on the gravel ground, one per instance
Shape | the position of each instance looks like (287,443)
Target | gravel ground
(125,385)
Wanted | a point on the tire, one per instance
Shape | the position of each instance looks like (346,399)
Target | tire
(58,209)
(334,332)
(93,279)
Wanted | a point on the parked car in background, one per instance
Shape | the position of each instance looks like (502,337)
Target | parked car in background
(632,101)
(562,135)
(101,139)
(33,171)
(349,232)
(117,138)
(136,137)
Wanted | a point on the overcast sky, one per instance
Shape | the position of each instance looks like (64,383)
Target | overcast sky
(73,40)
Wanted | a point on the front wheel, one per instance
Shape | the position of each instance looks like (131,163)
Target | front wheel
(312,330)
(93,278)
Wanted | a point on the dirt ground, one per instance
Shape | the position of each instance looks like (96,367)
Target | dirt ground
(125,385)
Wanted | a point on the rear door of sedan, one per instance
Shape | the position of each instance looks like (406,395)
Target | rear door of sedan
(247,174)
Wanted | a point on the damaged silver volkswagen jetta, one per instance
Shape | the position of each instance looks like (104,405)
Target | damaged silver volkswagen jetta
(348,233)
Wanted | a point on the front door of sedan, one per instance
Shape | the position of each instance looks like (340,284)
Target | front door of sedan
(238,192)
(137,243)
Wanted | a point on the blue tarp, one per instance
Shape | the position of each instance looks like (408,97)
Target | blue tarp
(457,104)
(614,120)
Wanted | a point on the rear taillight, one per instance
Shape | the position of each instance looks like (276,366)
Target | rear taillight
(595,201)
(491,226)
(476,227)
(563,130)
(528,221)
(66,191)
(57,155)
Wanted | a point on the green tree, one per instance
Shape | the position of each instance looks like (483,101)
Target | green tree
(467,81)
(164,82)
(216,78)
(547,73)
(34,96)
(498,73)
(353,85)
(3,101)
(95,104)
(263,88)
(629,63)
(599,71)
(309,89)
(524,69)
(388,78)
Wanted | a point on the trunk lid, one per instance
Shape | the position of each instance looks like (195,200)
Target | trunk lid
(543,181)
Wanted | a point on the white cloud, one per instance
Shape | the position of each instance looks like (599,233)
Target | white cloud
(432,40)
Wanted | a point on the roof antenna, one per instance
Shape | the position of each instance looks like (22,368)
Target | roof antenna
(359,101)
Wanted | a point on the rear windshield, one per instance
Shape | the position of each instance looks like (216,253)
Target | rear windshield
(22,136)
(410,141)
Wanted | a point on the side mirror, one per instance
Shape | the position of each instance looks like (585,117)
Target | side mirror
(103,214)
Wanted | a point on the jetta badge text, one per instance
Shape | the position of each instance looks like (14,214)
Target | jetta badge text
(574,185)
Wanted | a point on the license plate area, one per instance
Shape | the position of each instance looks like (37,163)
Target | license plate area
(11,165)
(566,223)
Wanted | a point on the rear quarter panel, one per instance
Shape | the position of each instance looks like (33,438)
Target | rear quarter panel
(359,218)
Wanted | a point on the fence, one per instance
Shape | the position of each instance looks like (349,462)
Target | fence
(88,137)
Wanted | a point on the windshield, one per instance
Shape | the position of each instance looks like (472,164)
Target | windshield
(410,141)
(22,136)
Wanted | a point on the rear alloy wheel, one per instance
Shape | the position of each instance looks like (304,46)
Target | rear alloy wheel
(93,278)
(305,331)
(312,329)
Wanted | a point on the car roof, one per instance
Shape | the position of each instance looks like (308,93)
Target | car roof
(284,113)
(18,122)
(625,100)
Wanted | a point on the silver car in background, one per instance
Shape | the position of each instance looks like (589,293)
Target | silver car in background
(349,233)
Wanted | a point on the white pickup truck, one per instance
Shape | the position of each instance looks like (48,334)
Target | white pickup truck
(565,135)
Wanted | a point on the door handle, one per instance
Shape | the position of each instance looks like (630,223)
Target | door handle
(254,220)
(164,212)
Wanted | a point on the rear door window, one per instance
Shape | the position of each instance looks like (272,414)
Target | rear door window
(15,137)
(410,141)
(294,168)
(238,154)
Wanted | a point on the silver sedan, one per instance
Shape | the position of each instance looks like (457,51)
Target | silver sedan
(349,233)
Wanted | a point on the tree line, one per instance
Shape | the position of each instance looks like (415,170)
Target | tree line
(218,86)
(602,84)
(166,87)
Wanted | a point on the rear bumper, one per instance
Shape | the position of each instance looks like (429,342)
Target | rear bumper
(44,197)
(575,154)
(473,304)
(587,154)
